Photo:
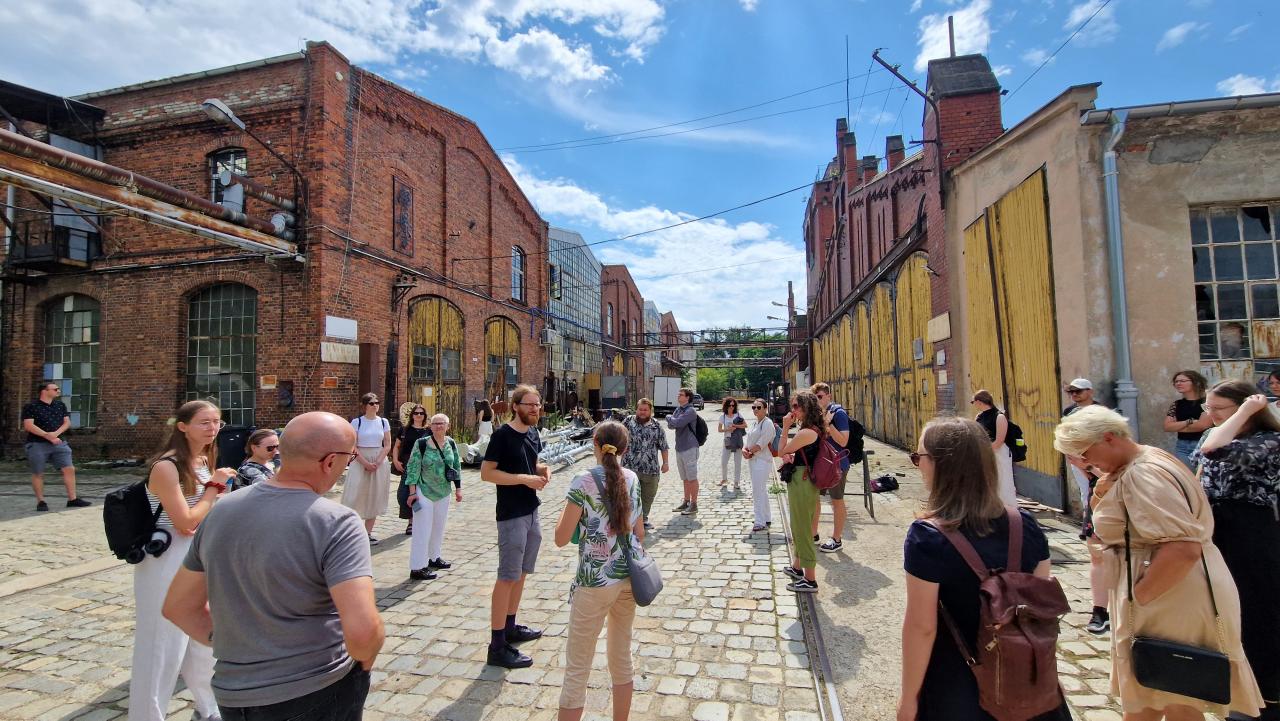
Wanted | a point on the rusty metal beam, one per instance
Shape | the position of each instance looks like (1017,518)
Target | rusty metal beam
(89,168)
(69,186)
(257,190)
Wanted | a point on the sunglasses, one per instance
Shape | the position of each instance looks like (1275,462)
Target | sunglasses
(374,403)
(1075,391)
(915,458)
(419,413)
(757,408)
(273,449)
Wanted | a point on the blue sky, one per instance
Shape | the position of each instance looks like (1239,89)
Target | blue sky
(533,72)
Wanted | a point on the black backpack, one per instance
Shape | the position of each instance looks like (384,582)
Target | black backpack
(129,520)
(700,430)
(1016,442)
(855,446)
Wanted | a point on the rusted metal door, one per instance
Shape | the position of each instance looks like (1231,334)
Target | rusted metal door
(435,357)
(502,357)
(1013,346)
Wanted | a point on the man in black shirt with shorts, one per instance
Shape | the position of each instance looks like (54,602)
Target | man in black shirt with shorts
(45,420)
(511,463)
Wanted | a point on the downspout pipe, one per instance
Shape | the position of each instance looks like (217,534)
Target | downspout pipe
(1125,390)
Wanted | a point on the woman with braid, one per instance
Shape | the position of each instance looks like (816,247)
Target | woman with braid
(604,511)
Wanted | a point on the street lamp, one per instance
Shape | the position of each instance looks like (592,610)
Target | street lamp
(220,113)
(774,317)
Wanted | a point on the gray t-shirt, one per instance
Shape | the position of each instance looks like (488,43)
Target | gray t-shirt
(269,556)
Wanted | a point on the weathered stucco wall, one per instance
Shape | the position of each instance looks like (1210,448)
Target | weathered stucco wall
(1168,164)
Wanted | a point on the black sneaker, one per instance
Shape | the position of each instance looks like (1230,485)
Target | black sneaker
(522,634)
(423,574)
(816,537)
(831,546)
(684,505)
(648,526)
(373,541)
(439,564)
(793,573)
(692,510)
(1099,623)
(42,506)
(78,503)
(803,586)
(408,530)
(508,657)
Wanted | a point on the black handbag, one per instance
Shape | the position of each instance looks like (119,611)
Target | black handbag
(1175,667)
(451,474)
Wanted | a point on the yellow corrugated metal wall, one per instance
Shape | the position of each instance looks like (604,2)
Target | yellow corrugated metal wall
(1013,347)
(884,346)
(915,353)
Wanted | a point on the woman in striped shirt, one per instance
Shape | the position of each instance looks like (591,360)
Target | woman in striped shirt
(182,487)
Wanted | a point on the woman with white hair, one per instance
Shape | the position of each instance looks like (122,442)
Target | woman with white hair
(434,465)
(1168,579)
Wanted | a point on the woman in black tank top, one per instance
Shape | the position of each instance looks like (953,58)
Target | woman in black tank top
(802,495)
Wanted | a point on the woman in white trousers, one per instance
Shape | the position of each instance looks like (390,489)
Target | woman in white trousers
(760,463)
(181,486)
(730,423)
(434,466)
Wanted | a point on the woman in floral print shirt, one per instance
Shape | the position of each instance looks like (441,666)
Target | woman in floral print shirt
(602,586)
(1240,470)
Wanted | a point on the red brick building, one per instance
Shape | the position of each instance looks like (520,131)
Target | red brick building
(419,274)
(622,315)
(879,281)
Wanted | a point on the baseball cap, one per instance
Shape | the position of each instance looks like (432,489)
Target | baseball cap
(1080,384)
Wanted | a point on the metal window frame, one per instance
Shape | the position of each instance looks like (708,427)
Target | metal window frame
(1205,213)
(212,320)
(57,321)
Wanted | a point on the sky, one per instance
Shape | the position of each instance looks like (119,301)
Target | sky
(770,75)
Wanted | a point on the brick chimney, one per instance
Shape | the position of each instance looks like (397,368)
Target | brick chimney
(849,161)
(894,151)
(968,98)
(870,167)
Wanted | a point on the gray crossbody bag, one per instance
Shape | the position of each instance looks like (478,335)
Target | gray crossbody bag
(646,578)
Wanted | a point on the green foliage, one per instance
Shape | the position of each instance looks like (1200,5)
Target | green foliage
(714,382)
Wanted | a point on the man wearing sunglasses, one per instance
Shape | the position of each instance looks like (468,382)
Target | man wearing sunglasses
(838,436)
(279,581)
(1080,391)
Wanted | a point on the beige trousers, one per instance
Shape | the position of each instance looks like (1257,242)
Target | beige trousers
(587,613)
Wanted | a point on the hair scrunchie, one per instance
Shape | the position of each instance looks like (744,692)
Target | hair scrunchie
(608,449)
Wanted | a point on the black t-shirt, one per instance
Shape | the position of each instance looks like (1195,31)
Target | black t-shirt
(987,419)
(1185,410)
(949,690)
(806,455)
(409,435)
(47,416)
(515,452)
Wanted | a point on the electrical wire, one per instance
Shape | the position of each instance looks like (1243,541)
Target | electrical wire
(1073,35)
(806,186)
(692,120)
(602,285)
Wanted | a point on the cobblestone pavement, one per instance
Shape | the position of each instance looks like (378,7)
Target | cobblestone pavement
(722,643)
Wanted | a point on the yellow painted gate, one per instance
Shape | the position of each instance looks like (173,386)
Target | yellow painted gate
(435,357)
(1011,330)
(502,357)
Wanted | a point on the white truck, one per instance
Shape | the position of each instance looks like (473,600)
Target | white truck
(665,392)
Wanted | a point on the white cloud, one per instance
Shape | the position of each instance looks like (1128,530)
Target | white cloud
(653,258)
(1101,30)
(749,5)
(972,30)
(915,5)
(166,39)
(1237,31)
(1002,70)
(1176,35)
(1241,84)
(1035,56)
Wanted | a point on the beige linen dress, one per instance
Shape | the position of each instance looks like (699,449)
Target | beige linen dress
(1158,513)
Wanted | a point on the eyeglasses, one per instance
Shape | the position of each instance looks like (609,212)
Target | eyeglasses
(915,458)
(209,424)
(374,403)
(273,449)
(351,456)
(1210,409)
(530,405)
(1076,391)
(439,423)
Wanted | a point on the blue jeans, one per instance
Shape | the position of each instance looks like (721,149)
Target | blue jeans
(341,701)
(1183,448)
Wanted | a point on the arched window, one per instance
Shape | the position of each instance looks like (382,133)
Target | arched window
(232,159)
(222,328)
(517,273)
(71,355)
(502,357)
(608,322)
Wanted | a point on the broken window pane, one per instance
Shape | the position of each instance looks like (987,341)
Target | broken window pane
(1226,263)
(1260,259)
(1256,221)
(1231,301)
(1204,303)
(1203,268)
(1208,341)
(1225,226)
(1199,228)
(1234,340)
(1265,301)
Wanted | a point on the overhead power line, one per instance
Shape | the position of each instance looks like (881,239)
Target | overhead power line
(1073,35)
(691,120)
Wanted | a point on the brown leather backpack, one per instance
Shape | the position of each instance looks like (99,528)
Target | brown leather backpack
(1015,662)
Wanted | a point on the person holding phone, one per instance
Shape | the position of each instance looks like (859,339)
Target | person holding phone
(734,428)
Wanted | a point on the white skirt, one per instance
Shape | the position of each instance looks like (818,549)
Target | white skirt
(367,493)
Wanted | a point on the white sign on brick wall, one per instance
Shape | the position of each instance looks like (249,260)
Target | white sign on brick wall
(344,328)
(340,353)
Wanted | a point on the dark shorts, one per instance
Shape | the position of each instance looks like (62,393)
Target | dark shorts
(340,701)
(518,542)
(836,492)
(40,454)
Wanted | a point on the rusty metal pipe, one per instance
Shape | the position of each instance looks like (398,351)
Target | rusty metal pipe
(93,169)
(257,190)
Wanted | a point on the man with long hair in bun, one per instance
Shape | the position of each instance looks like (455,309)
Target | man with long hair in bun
(604,508)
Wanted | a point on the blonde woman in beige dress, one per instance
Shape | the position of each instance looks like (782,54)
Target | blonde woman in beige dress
(367,489)
(1168,533)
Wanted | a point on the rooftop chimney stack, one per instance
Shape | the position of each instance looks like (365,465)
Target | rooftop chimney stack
(849,161)
(870,168)
(894,151)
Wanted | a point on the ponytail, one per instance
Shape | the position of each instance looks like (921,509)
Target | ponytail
(612,439)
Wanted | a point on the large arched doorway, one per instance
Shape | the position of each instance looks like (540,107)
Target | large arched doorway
(502,357)
(435,357)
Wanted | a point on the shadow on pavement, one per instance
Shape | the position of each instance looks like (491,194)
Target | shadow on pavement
(104,701)
(473,702)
